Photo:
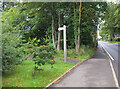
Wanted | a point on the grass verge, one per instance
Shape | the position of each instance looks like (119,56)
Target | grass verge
(22,76)
(113,42)
(85,52)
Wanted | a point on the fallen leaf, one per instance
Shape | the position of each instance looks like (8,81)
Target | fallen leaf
(56,81)
(61,77)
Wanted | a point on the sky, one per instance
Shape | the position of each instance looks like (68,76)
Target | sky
(110,0)
(113,1)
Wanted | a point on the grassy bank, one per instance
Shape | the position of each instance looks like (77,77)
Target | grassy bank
(22,76)
(113,42)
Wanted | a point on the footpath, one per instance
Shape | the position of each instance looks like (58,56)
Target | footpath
(95,72)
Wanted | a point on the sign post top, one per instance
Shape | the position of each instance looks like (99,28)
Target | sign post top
(65,47)
(62,28)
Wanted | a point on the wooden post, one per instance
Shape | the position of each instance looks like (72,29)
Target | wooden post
(65,47)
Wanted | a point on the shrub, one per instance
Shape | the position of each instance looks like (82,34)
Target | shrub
(39,54)
(29,47)
(43,54)
(117,39)
(10,50)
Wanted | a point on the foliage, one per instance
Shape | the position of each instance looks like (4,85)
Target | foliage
(44,54)
(91,12)
(29,47)
(110,26)
(39,54)
(34,20)
(11,51)
(86,37)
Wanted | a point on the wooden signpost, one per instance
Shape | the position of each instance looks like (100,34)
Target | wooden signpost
(65,48)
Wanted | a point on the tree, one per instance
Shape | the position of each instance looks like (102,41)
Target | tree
(53,25)
(111,21)
(59,32)
(39,20)
(78,40)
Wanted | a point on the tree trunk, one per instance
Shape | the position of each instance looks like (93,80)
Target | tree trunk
(78,42)
(53,26)
(3,6)
(59,32)
(75,26)
(36,67)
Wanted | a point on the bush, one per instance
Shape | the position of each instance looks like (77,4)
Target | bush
(29,47)
(39,54)
(43,54)
(10,50)
(117,39)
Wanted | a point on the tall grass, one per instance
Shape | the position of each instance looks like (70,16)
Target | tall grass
(85,52)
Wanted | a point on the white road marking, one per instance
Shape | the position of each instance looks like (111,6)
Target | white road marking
(114,75)
(113,71)
(108,53)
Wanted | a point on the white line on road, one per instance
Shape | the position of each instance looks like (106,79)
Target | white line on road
(113,71)
(108,53)
(114,75)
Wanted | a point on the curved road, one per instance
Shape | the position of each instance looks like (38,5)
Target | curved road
(114,50)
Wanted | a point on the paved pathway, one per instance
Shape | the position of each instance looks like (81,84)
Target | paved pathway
(96,72)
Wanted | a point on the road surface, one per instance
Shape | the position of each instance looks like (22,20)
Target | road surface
(114,50)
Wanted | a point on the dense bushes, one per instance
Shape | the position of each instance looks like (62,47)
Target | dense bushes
(39,54)
(43,54)
(14,52)
(11,42)
(117,39)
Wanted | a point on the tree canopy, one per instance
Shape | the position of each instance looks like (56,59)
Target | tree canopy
(36,24)
(110,28)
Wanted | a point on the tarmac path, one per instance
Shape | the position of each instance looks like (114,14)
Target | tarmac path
(95,72)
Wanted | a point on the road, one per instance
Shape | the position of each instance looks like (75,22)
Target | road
(114,51)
